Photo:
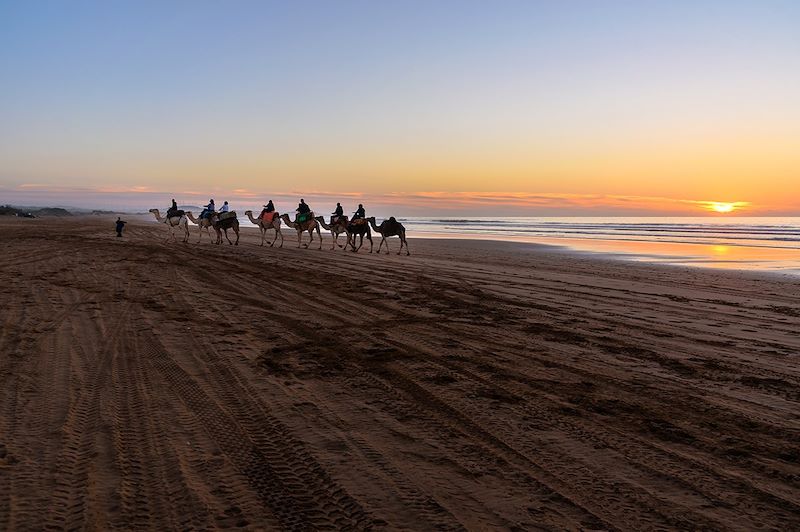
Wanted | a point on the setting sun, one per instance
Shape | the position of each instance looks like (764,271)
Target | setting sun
(724,208)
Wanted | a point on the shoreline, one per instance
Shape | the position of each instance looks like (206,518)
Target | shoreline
(594,248)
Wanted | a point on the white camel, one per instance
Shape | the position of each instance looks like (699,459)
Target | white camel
(203,223)
(172,222)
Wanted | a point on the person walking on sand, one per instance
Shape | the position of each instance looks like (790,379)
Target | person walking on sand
(120,226)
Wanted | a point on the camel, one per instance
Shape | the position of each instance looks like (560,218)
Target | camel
(390,227)
(224,225)
(309,225)
(173,222)
(358,229)
(338,227)
(203,223)
(274,224)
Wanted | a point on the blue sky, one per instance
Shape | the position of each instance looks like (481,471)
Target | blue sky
(677,100)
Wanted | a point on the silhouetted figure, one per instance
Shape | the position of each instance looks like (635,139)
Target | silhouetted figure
(337,213)
(360,213)
(120,226)
(269,207)
(303,208)
(172,210)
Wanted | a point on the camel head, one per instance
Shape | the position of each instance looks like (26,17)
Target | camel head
(288,221)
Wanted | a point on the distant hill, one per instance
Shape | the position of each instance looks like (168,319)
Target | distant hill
(8,210)
(52,211)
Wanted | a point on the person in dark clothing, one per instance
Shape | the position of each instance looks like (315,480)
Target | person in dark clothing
(303,211)
(208,209)
(269,207)
(120,226)
(360,213)
(172,210)
(337,213)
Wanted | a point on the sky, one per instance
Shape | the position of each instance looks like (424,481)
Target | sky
(541,108)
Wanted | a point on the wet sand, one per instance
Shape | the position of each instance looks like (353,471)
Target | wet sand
(478,385)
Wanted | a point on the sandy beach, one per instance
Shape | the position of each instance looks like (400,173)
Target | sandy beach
(473,385)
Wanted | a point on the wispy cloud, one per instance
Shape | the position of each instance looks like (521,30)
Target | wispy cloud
(414,203)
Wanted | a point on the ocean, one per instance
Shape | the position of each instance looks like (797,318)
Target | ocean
(735,242)
(745,243)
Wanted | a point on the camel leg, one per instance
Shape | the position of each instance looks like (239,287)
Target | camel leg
(371,243)
(320,237)
(236,230)
(404,241)
(299,238)
(334,240)
(226,237)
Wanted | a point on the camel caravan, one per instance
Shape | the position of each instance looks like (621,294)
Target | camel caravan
(357,228)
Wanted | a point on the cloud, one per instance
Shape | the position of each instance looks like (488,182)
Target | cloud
(414,203)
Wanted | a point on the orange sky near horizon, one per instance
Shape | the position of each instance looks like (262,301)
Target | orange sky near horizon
(531,108)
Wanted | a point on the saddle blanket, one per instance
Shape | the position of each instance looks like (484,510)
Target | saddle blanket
(227,215)
(268,216)
(358,221)
(304,217)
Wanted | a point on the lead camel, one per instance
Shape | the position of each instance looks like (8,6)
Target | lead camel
(173,222)
(390,227)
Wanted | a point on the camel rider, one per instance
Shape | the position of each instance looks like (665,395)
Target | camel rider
(360,213)
(172,210)
(225,207)
(337,213)
(302,211)
(208,209)
(269,207)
